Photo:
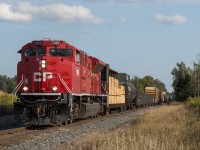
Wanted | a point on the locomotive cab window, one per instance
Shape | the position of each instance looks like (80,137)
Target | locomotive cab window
(78,57)
(34,52)
(58,52)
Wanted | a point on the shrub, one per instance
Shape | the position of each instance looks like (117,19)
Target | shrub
(193,101)
(6,104)
(7,99)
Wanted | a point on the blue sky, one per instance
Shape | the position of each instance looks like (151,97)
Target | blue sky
(139,37)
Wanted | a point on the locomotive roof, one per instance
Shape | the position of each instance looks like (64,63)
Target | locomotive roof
(45,42)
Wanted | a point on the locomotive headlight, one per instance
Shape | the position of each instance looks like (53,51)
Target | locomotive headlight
(55,88)
(43,61)
(43,64)
(25,88)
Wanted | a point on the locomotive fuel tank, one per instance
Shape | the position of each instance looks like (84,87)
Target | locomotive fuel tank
(130,92)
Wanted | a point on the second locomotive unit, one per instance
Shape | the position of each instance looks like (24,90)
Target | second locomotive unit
(58,83)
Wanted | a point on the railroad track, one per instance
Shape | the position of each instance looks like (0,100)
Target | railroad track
(10,131)
(10,135)
(14,136)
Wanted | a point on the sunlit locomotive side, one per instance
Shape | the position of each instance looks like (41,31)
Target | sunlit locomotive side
(58,83)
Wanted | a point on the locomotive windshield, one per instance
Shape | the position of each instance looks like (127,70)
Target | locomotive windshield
(60,52)
(34,52)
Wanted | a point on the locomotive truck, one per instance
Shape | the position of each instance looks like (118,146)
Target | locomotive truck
(57,83)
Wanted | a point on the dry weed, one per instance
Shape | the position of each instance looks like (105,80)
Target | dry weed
(166,128)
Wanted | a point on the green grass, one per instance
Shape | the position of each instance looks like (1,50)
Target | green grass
(6,104)
(167,128)
(6,99)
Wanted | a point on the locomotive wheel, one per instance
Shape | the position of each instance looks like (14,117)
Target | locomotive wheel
(121,108)
(124,108)
(108,112)
(64,122)
(70,121)
(132,107)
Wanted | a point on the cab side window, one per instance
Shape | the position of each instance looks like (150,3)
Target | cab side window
(59,52)
(78,57)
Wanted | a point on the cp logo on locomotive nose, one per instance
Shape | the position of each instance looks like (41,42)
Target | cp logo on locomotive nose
(38,76)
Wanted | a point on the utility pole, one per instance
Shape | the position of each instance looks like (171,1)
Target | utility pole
(196,71)
(198,86)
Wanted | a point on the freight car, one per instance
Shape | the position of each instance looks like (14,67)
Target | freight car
(57,83)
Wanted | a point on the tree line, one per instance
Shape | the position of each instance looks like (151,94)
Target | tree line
(148,81)
(186,80)
(7,84)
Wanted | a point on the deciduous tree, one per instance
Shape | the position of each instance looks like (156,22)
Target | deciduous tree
(7,84)
(181,81)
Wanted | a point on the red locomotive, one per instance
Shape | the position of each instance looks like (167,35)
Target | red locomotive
(58,83)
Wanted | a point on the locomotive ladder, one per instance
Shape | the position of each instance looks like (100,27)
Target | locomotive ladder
(64,84)
(17,88)
(68,89)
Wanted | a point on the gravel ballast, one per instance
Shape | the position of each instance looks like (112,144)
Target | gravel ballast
(65,138)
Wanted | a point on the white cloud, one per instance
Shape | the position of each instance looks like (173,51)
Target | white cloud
(24,12)
(7,13)
(122,20)
(115,21)
(177,19)
(61,12)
